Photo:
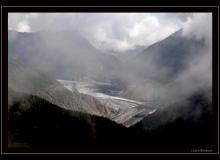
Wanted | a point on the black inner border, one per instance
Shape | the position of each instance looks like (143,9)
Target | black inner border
(5,10)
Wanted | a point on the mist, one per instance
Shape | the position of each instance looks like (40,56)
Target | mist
(197,69)
(74,47)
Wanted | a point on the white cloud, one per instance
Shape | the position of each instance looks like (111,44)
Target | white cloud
(123,31)
(23,26)
(108,31)
(199,26)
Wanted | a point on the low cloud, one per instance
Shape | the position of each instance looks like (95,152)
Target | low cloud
(199,26)
(195,75)
(118,32)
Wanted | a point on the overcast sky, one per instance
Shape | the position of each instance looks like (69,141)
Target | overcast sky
(111,31)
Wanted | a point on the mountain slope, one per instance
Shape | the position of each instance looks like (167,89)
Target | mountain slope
(37,123)
(22,78)
(185,124)
(172,52)
(62,55)
(168,64)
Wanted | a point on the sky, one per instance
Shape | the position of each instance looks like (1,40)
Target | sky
(118,32)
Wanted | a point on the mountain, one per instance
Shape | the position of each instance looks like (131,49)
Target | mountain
(172,52)
(37,123)
(37,59)
(26,79)
(162,63)
(184,124)
(62,55)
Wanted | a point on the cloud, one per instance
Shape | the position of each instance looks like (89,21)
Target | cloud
(199,26)
(21,21)
(124,31)
(23,26)
(196,74)
(107,31)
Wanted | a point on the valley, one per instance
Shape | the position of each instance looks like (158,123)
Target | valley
(124,111)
